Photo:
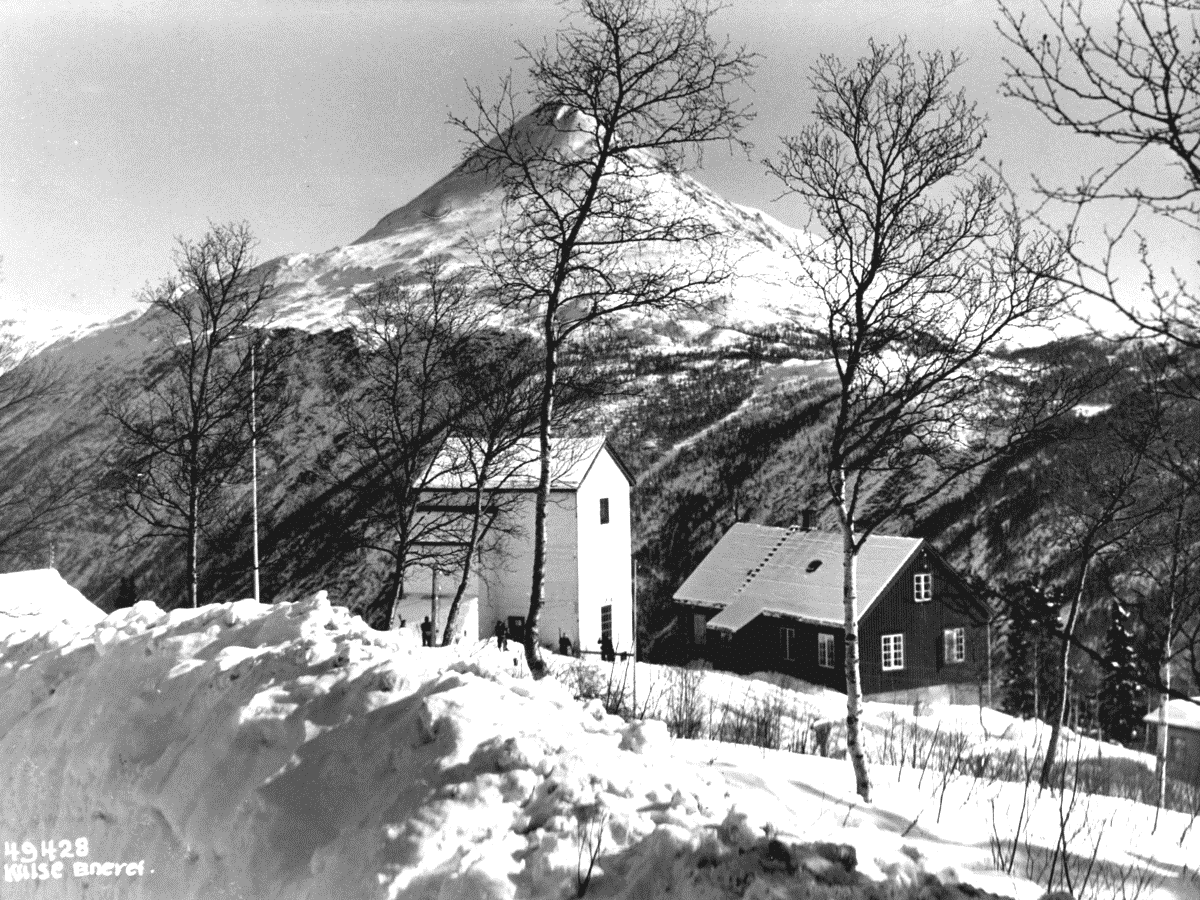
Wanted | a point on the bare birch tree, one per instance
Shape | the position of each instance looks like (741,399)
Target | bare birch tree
(412,335)
(1133,83)
(621,97)
(185,438)
(1100,495)
(919,270)
(500,389)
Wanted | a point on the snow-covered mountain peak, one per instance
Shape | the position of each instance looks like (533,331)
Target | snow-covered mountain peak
(463,211)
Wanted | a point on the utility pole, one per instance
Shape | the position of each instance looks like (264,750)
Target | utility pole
(989,659)
(635,638)
(254,459)
(433,603)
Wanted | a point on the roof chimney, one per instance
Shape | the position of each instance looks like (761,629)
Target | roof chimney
(808,518)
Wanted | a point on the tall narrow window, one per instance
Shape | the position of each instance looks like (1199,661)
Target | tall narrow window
(1177,751)
(825,651)
(606,622)
(923,587)
(954,645)
(699,629)
(787,643)
(603,510)
(893,652)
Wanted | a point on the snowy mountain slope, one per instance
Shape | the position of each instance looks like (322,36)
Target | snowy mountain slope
(463,211)
(27,332)
(248,751)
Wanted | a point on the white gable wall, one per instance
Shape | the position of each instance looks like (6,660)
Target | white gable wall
(506,570)
(587,565)
(604,555)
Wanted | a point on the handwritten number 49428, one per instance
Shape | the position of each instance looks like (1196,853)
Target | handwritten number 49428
(28,851)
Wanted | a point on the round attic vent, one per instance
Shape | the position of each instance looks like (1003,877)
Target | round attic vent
(813,566)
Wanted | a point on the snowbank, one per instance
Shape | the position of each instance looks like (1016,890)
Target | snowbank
(290,751)
(39,601)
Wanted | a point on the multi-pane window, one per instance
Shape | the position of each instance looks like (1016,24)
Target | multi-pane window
(787,643)
(1177,748)
(893,652)
(606,622)
(825,651)
(954,645)
(699,628)
(603,510)
(923,587)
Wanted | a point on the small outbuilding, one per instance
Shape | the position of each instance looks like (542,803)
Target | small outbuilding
(770,599)
(1178,737)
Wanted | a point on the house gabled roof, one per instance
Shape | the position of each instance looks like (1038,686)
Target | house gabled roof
(572,460)
(1180,714)
(756,570)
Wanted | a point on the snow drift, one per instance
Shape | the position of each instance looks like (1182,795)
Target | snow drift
(290,751)
(39,601)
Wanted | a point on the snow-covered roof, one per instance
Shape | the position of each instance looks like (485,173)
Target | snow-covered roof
(1180,714)
(572,459)
(39,600)
(756,569)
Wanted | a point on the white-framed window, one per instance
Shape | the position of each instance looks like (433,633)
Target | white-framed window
(826,654)
(923,587)
(787,643)
(603,510)
(699,628)
(893,652)
(954,645)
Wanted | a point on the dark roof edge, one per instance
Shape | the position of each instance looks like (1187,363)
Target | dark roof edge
(707,604)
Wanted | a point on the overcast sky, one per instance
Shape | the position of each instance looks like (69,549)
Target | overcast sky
(128,123)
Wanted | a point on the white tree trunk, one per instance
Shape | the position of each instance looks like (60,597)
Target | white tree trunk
(854,697)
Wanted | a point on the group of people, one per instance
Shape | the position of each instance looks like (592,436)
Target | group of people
(607,653)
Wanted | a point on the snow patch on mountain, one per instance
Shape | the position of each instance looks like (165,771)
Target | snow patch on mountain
(28,331)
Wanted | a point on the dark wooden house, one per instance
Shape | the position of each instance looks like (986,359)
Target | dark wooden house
(770,599)
(1179,739)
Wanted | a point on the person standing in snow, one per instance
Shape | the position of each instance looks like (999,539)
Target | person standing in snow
(607,653)
(427,633)
(501,635)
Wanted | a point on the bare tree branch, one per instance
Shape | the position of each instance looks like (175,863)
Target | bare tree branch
(920,270)
(621,97)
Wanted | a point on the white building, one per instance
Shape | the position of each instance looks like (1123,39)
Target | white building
(588,561)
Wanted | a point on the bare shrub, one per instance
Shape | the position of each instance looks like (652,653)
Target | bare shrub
(762,722)
(1072,864)
(590,821)
(685,706)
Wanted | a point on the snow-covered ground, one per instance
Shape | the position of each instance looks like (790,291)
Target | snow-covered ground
(290,751)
